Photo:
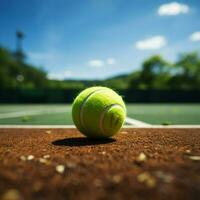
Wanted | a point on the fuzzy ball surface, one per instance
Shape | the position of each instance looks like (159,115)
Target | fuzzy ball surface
(98,112)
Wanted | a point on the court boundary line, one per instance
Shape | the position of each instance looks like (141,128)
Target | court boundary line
(30,113)
(73,126)
(137,123)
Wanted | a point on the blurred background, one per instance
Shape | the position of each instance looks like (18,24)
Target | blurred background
(148,51)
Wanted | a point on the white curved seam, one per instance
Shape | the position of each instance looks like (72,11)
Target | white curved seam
(83,105)
(106,109)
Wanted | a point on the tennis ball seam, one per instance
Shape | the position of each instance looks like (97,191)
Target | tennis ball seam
(81,117)
(105,110)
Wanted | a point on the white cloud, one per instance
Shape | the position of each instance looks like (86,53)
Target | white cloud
(110,61)
(152,43)
(60,76)
(96,63)
(173,8)
(195,36)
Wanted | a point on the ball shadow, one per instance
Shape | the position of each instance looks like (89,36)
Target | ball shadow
(82,141)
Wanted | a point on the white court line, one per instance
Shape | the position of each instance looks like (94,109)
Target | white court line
(30,113)
(136,123)
(73,127)
(39,126)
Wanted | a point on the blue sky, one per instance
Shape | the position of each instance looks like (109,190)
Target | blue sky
(95,39)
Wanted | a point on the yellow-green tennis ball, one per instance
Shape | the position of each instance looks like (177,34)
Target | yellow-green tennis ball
(98,112)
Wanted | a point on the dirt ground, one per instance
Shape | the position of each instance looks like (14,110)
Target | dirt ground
(135,164)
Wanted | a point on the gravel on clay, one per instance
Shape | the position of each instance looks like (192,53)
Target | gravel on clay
(135,164)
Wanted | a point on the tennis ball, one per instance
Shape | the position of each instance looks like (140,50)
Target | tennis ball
(98,112)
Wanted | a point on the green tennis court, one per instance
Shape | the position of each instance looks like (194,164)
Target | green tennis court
(60,114)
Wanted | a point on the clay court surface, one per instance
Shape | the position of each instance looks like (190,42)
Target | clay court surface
(138,163)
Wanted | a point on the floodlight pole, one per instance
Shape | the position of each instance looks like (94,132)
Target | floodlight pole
(19,50)
(20,36)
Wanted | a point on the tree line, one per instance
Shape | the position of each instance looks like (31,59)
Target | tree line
(155,73)
(15,74)
(158,73)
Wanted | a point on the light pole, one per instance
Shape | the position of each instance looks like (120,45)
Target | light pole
(19,50)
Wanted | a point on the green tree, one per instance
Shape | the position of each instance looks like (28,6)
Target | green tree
(186,73)
(155,74)
(14,74)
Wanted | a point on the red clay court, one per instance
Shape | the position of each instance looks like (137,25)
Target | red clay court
(138,163)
